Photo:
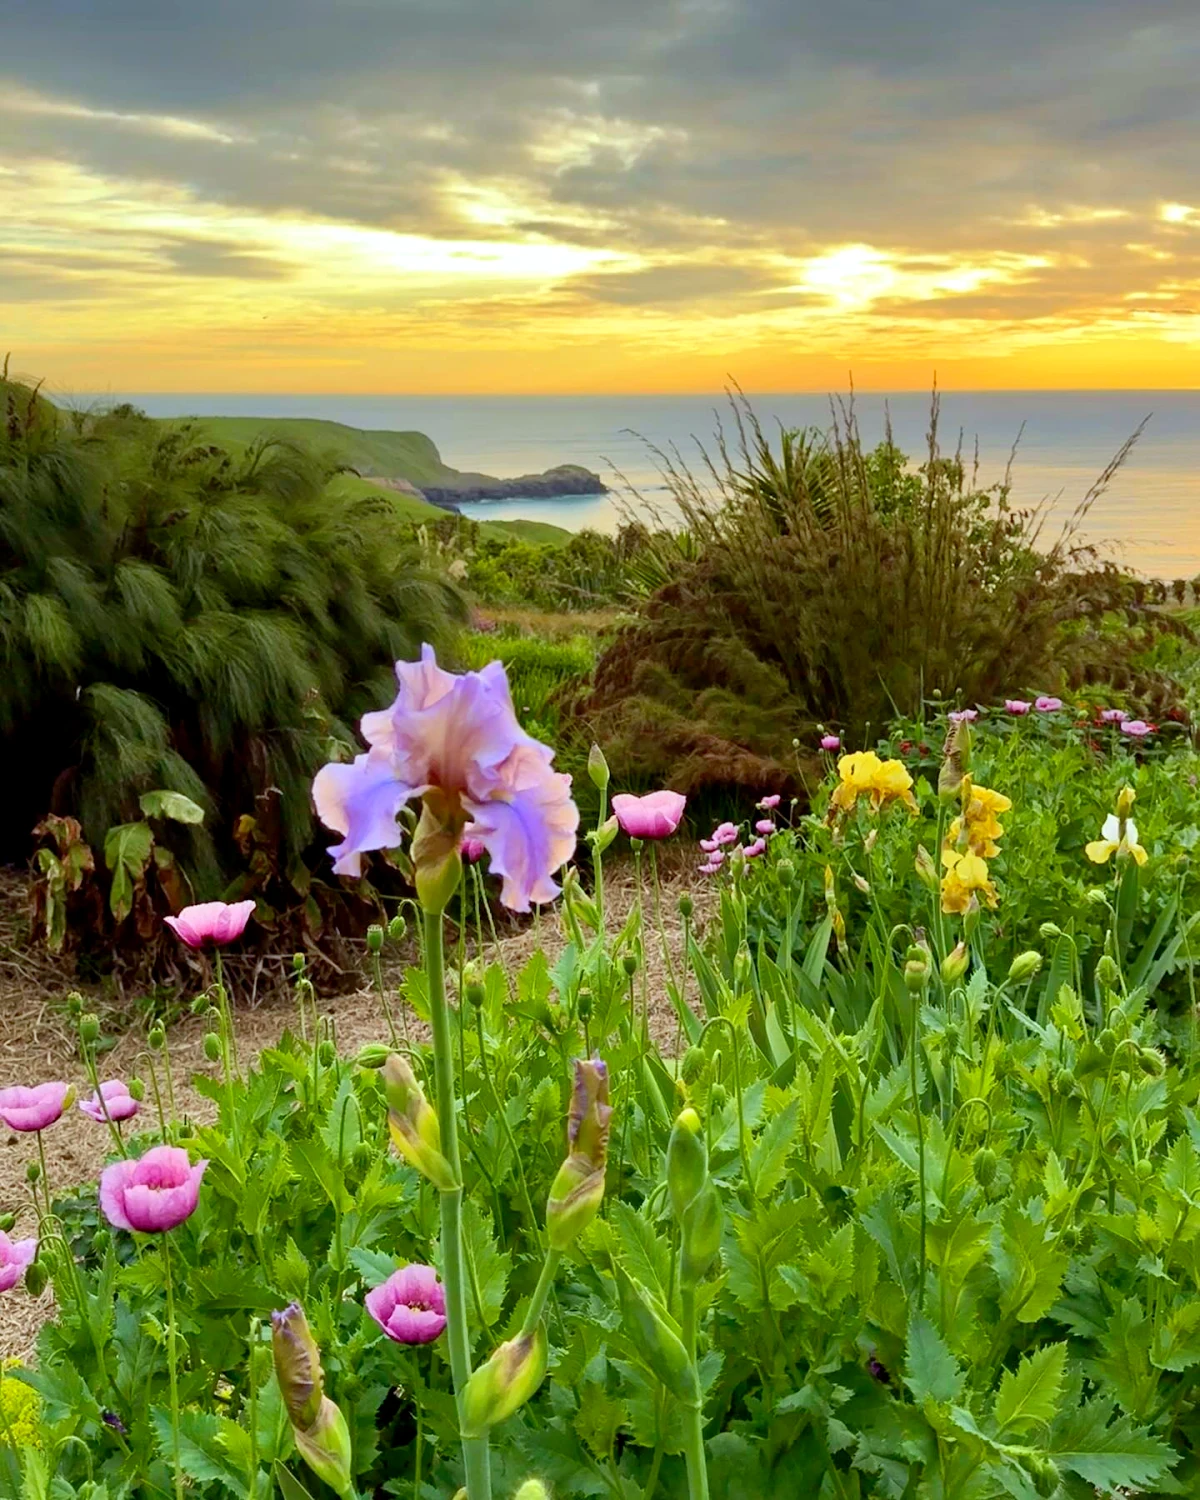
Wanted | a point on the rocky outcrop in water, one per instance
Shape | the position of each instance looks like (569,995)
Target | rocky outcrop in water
(563,479)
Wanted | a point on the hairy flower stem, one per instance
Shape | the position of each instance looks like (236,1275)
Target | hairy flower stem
(598,860)
(381,991)
(475,1450)
(89,1062)
(229,1061)
(658,914)
(171,1365)
(916,1098)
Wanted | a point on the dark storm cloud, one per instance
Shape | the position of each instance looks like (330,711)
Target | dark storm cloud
(788,123)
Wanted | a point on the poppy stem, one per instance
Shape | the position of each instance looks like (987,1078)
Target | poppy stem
(171,1365)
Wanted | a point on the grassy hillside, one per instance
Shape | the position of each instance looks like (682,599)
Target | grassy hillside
(387,455)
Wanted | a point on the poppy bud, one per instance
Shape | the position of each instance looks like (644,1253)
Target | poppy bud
(397,929)
(1107,972)
(35,1278)
(6,1222)
(155,1037)
(298,962)
(75,1004)
(916,975)
(693,1064)
(1044,1473)
(702,1223)
(1152,1062)
(1050,930)
(413,1124)
(656,1338)
(630,964)
(532,1489)
(374,938)
(1145,1169)
(583,1006)
(984,1165)
(687,1160)
(1107,1041)
(89,1028)
(1025,966)
(1064,1083)
(361,1157)
(578,1187)
(101,1240)
(137,1089)
(954,965)
(474,994)
(373,1055)
(504,1382)
(597,768)
(33,1172)
(326,1053)
(212,1046)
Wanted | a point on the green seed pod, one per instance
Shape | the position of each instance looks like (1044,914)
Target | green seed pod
(693,1064)
(1145,1169)
(1025,966)
(212,1046)
(597,768)
(916,975)
(503,1383)
(89,1028)
(137,1089)
(475,994)
(687,1160)
(984,1165)
(686,906)
(718,1096)
(33,1172)
(1107,1041)
(786,872)
(36,1278)
(397,929)
(629,963)
(156,1037)
(583,1006)
(75,1004)
(327,1053)
(6,1222)
(702,1223)
(374,938)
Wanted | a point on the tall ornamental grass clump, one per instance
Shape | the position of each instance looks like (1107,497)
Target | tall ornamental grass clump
(175,617)
(828,582)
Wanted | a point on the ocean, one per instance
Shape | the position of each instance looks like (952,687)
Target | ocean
(1148,519)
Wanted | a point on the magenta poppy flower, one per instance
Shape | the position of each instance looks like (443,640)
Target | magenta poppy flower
(769,804)
(1137,729)
(410,1306)
(709,868)
(655,816)
(764,825)
(831,742)
(1113,716)
(119,1102)
(16,1256)
(709,845)
(963,715)
(472,851)
(457,735)
(1018,706)
(216,922)
(1046,705)
(725,833)
(32,1109)
(155,1193)
(752,851)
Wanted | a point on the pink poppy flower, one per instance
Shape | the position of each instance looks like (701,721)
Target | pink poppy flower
(119,1102)
(752,851)
(725,833)
(472,851)
(1018,706)
(1137,729)
(1046,705)
(655,816)
(16,1256)
(1113,716)
(32,1109)
(709,869)
(963,715)
(457,736)
(831,742)
(155,1193)
(764,825)
(769,804)
(709,845)
(410,1306)
(216,922)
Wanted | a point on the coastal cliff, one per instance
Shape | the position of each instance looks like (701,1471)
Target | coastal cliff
(563,479)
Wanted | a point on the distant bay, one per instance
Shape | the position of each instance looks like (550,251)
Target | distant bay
(1150,514)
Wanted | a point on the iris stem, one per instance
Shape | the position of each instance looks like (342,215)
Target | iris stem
(171,1365)
(475,1450)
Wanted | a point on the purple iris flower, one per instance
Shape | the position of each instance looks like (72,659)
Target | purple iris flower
(458,737)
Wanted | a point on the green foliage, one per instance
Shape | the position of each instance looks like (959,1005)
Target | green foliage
(194,622)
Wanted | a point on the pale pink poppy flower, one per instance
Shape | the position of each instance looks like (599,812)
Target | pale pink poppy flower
(831,742)
(410,1306)
(216,922)
(1047,705)
(119,1102)
(152,1194)
(764,825)
(16,1256)
(1018,706)
(1137,729)
(769,804)
(32,1109)
(654,816)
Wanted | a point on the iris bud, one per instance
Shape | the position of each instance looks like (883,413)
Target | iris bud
(597,768)
(504,1383)
(578,1187)
(413,1124)
(954,965)
(656,1338)
(318,1426)
(687,1160)
(702,1223)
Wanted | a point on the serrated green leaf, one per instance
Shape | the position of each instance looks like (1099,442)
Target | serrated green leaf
(769,1157)
(488,1267)
(1109,1456)
(1029,1395)
(201,1454)
(931,1372)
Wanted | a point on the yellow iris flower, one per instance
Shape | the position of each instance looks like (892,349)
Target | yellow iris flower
(978,821)
(863,774)
(966,879)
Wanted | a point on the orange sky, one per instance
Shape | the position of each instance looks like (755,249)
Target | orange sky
(659,204)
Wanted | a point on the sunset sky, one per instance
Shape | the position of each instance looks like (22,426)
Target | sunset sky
(600,195)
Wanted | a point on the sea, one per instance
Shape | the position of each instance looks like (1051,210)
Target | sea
(1148,517)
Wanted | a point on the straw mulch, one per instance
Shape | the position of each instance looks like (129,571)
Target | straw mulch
(37,1039)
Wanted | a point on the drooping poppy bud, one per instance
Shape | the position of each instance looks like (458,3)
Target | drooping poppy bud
(578,1188)
(413,1124)
(656,1337)
(532,1489)
(318,1426)
(504,1382)
(954,965)
(1025,966)
(702,1224)
(687,1160)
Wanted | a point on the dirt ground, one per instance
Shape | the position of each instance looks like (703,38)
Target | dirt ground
(37,1040)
